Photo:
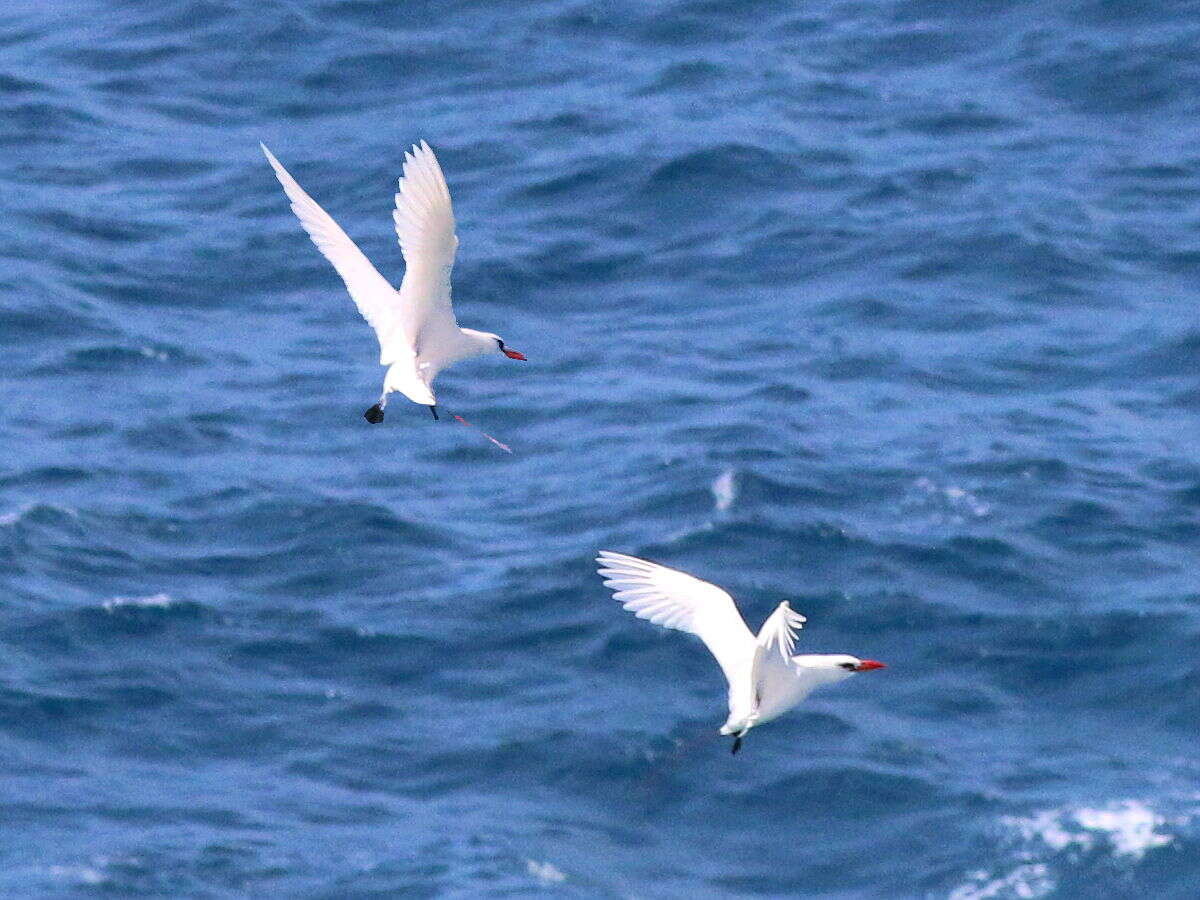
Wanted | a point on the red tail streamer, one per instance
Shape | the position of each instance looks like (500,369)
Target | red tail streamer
(502,446)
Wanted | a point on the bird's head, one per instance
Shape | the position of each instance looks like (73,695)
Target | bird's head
(478,343)
(509,351)
(852,664)
(836,666)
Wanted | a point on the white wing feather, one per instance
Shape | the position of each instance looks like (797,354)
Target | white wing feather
(374,297)
(778,685)
(780,630)
(675,599)
(425,228)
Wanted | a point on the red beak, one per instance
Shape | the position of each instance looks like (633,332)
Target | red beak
(513,354)
(868,664)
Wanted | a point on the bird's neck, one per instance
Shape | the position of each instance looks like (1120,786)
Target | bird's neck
(819,668)
(474,343)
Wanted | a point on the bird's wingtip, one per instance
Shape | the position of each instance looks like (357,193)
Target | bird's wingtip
(609,556)
(791,614)
(610,562)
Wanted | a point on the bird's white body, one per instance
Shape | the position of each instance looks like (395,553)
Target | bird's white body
(765,679)
(418,334)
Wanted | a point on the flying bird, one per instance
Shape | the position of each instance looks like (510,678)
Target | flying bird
(418,334)
(765,680)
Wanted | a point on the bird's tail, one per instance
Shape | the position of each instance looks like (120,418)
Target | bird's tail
(402,376)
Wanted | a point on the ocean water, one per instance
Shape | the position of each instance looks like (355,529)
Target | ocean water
(888,309)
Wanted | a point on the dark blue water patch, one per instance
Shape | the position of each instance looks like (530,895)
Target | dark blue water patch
(1011,253)
(684,76)
(41,476)
(907,311)
(18,324)
(123,59)
(902,48)
(141,617)
(114,629)
(1008,465)
(125,88)
(33,714)
(117,359)
(160,168)
(367,73)
(1098,865)
(964,121)
(583,264)
(191,438)
(593,122)
(14,84)
(594,182)
(31,122)
(1105,80)
(704,173)
(1171,358)
(1088,527)
(339,646)
(47,521)
(1189,495)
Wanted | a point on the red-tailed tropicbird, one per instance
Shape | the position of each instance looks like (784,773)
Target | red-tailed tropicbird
(418,334)
(765,680)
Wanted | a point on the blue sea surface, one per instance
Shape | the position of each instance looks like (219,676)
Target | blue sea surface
(887,309)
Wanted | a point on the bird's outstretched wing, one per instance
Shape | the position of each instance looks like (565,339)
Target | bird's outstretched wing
(375,298)
(675,599)
(780,631)
(425,228)
(776,685)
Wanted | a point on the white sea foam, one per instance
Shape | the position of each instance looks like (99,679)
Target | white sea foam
(545,872)
(951,503)
(1027,881)
(157,601)
(81,874)
(1129,828)
(724,490)
(1132,828)
(1125,829)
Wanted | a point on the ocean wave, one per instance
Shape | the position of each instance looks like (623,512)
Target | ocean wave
(1124,828)
(155,601)
(545,873)
(113,360)
(35,514)
(1070,844)
(724,490)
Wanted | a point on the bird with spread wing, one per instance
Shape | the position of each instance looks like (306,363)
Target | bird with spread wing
(418,334)
(765,679)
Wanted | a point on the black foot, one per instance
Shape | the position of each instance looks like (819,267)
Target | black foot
(737,745)
(374,415)
(433,409)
